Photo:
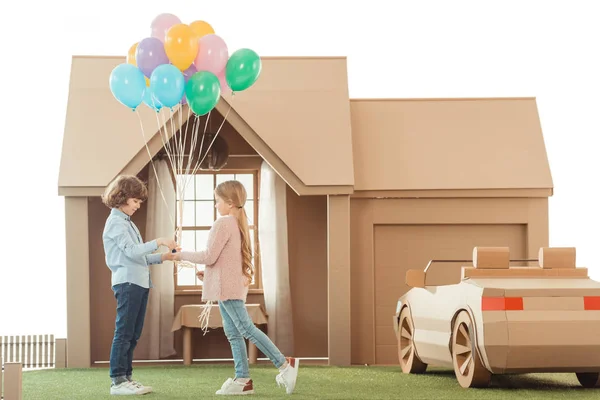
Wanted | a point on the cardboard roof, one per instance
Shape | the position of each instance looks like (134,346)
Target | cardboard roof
(432,144)
(299,118)
(299,108)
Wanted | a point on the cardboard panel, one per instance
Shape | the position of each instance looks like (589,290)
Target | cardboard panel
(491,257)
(304,118)
(553,303)
(524,272)
(557,257)
(553,339)
(495,339)
(467,143)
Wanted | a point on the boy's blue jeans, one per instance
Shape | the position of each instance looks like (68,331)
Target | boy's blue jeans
(238,325)
(131,311)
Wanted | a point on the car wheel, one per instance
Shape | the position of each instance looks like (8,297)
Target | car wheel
(468,368)
(409,361)
(588,379)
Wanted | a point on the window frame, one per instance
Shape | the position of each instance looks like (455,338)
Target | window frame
(256,287)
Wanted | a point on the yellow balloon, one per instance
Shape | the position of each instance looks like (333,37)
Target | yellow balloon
(201,28)
(131,54)
(147,82)
(181,46)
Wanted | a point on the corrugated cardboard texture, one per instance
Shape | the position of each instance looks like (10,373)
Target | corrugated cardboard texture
(300,119)
(429,144)
(524,272)
(491,257)
(557,257)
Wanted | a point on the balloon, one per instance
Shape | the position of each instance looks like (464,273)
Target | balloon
(127,84)
(243,69)
(212,54)
(167,85)
(224,86)
(203,91)
(161,24)
(187,74)
(201,28)
(181,46)
(131,54)
(131,59)
(151,101)
(150,54)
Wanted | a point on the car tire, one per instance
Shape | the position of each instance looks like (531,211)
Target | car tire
(407,355)
(588,379)
(468,368)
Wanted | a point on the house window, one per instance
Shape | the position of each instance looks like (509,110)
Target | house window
(199,214)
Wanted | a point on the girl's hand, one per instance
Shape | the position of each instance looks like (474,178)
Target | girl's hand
(200,275)
(170,256)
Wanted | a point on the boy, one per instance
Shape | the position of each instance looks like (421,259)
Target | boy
(128,258)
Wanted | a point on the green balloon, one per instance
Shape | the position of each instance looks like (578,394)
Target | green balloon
(242,69)
(203,91)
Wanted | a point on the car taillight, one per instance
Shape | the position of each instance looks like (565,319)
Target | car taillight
(591,302)
(501,303)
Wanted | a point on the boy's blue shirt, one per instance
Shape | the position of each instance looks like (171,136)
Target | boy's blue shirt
(127,256)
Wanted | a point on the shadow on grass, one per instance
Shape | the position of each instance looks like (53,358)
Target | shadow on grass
(516,381)
(532,382)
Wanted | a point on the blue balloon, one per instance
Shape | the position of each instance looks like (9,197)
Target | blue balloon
(151,101)
(168,84)
(127,84)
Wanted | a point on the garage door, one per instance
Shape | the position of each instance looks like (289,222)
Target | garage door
(402,247)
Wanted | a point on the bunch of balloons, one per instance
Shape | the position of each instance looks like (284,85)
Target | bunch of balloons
(179,64)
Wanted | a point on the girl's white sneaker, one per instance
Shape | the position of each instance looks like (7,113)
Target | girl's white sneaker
(289,375)
(234,387)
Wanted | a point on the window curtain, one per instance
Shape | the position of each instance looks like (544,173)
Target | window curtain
(273,239)
(157,340)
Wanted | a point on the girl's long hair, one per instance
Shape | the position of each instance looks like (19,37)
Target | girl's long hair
(233,192)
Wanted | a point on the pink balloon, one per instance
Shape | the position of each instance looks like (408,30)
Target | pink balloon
(187,74)
(224,86)
(212,54)
(161,24)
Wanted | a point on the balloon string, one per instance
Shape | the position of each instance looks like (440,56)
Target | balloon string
(153,167)
(216,134)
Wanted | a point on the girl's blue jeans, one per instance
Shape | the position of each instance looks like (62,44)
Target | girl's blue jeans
(238,325)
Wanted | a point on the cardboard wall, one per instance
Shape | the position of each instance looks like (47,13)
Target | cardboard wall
(390,236)
(307,246)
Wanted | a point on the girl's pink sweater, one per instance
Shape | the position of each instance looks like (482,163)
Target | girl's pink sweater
(223,277)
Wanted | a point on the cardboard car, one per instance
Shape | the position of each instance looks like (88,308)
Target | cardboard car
(503,319)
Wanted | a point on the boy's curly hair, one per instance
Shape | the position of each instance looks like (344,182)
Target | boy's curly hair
(122,188)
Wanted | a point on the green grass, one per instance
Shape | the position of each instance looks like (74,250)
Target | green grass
(314,382)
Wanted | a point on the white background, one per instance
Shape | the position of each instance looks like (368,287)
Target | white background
(547,49)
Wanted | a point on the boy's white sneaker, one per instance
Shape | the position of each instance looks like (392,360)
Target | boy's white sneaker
(233,387)
(145,389)
(127,389)
(289,375)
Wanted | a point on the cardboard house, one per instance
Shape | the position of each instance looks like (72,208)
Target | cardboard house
(374,187)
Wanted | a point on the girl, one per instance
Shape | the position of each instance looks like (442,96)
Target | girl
(128,258)
(229,271)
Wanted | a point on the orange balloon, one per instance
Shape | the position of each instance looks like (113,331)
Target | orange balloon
(201,28)
(181,46)
(131,54)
